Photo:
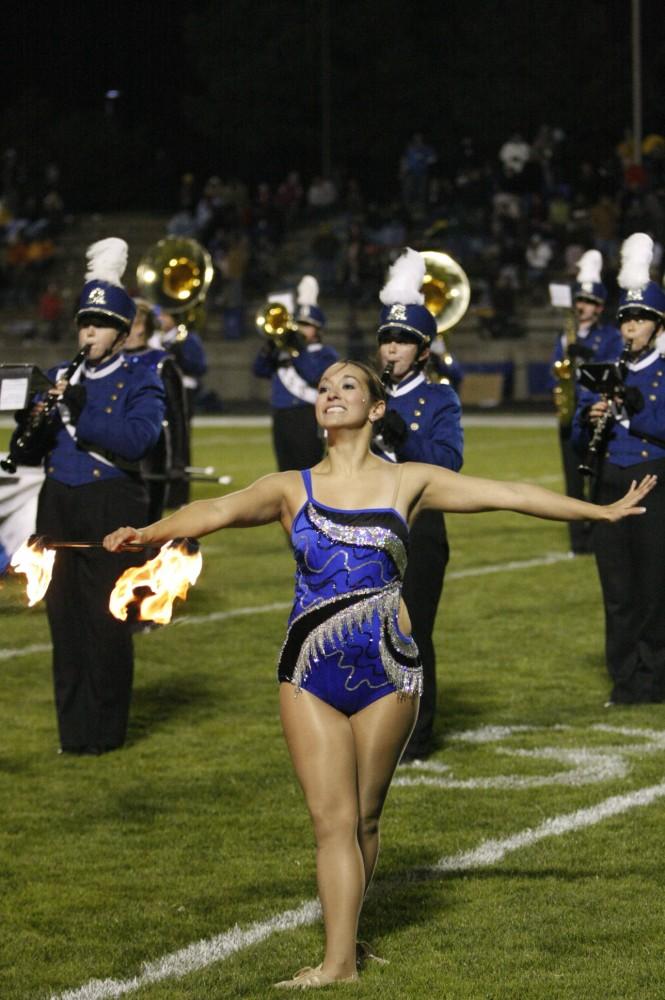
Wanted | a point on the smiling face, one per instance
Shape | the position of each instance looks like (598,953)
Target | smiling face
(345,398)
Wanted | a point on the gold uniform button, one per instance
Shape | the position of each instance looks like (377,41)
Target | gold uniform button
(659,373)
(644,454)
(655,385)
(652,397)
(51,468)
(417,413)
(120,385)
(422,401)
(114,396)
(96,473)
(414,426)
(108,409)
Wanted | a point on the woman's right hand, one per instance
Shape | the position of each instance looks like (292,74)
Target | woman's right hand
(118,539)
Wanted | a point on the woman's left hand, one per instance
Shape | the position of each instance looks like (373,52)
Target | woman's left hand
(628,504)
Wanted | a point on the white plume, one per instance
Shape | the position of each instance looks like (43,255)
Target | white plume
(636,254)
(308,291)
(107,260)
(404,280)
(589,267)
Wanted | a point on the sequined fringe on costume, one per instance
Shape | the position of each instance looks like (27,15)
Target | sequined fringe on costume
(405,676)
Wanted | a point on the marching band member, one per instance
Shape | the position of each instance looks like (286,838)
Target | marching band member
(593,341)
(171,455)
(294,375)
(631,557)
(349,672)
(186,349)
(422,424)
(108,416)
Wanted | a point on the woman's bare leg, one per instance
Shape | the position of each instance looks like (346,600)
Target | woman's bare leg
(380,733)
(321,743)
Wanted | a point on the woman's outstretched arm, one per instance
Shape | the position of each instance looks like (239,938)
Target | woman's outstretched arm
(455,493)
(260,503)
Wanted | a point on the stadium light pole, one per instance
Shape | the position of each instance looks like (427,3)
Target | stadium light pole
(326,112)
(637,80)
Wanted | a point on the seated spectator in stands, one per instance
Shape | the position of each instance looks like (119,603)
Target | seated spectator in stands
(358,271)
(321,196)
(537,257)
(604,219)
(208,206)
(50,311)
(289,197)
(183,223)
(325,251)
(54,211)
(513,155)
(354,203)
(558,213)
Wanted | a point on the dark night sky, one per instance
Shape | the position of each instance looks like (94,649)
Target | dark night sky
(234,87)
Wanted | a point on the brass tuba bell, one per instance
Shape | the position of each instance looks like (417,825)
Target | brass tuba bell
(175,274)
(446,289)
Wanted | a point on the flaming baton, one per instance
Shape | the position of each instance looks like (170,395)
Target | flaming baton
(154,586)
(151,588)
(36,562)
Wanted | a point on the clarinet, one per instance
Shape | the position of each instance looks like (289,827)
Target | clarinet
(386,374)
(22,444)
(590,465)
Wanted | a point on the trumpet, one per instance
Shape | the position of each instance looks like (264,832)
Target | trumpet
(21,446)
(277,324)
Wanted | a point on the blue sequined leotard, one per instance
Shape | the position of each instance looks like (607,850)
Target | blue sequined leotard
(343,642)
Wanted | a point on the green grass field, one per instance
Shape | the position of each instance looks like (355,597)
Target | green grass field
(196,833)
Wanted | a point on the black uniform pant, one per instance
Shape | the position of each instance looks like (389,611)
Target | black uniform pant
(296,438)
(423,583)
(93,659)
(577,486)
(631,565)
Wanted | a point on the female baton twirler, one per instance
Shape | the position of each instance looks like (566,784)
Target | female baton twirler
(349,670)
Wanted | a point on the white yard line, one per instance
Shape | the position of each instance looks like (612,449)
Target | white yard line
(489,852)
(10,654)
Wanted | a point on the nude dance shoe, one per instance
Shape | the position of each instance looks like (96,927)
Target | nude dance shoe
(309,978)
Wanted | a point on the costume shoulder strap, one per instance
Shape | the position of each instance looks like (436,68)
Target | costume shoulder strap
(307,480)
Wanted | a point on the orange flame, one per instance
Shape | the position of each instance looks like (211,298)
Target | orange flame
(167,576)
(37,564)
